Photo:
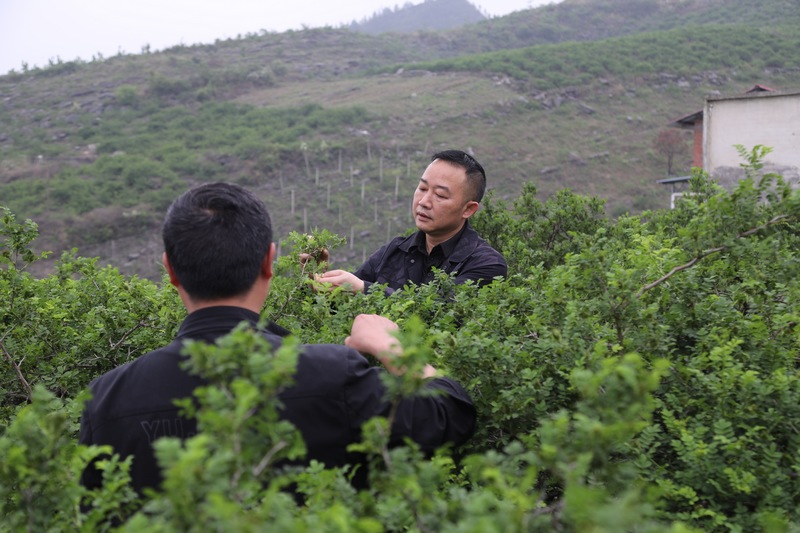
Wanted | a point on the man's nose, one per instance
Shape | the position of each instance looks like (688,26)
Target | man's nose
(425,200)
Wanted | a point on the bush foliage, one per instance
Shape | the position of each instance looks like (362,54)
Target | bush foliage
(630,375)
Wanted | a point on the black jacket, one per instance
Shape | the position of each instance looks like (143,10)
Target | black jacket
(399,261)
(334,393)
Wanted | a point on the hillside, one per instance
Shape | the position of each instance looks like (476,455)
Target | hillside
(431,15)
(594,20)
(333,127)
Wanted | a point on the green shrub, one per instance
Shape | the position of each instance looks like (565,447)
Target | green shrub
(127,95)
(634,375)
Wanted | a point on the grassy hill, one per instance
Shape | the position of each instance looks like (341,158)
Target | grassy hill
(334,127)
(431,15)
(594,20)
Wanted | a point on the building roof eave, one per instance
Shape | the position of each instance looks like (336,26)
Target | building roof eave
(675,179)
(688,121)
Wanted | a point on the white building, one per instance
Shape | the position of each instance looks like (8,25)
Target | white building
(759,117)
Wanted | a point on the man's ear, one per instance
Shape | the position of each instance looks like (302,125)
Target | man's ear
(470,209)
(173,279)
(266,265)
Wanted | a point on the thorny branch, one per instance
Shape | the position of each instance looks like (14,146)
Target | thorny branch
(17,370)
(259,468)
(706,253)
(125,335)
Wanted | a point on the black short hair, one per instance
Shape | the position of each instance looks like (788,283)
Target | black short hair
(216,236)
(476,176)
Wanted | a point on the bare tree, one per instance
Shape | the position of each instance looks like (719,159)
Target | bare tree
(670,142)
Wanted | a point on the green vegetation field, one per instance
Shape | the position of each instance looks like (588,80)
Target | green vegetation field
(637,374)
(637,371)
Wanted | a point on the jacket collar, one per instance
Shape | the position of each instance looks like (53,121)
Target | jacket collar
(461,245)
(212,322)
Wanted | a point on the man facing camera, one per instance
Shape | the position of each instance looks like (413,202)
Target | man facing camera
(448,194)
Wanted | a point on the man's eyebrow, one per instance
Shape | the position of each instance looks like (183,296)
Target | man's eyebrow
(443,187)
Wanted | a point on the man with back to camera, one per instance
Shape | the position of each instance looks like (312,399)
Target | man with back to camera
(218,254)
(448,194)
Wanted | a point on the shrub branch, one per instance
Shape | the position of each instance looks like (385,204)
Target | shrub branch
(706,253)
(265,461)
(17,370)
(115,345)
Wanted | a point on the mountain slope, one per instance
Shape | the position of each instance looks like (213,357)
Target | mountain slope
(334,127)
(593,20)
(431,15)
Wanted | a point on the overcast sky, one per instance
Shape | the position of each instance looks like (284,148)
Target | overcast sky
(35,31)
